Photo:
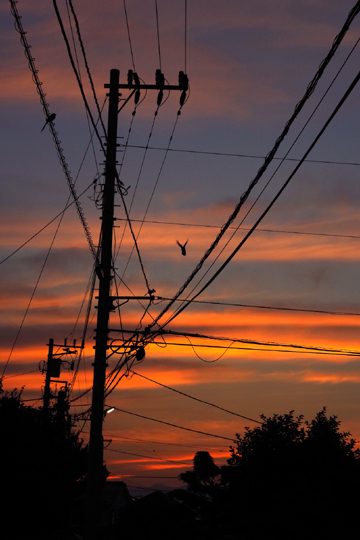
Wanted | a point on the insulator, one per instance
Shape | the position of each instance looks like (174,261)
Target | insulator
(183,81)
(160,97)
(136,79)
(137,97)
(182,98)
(130,77)
(159,79)
(140,353)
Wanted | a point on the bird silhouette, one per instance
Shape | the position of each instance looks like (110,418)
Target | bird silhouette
(50,118)
(182,247)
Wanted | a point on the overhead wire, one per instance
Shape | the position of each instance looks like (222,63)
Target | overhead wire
(151,458)
(158,33)
(252,156)
(258,229)
(258,342)
(97,133)
(45,226)
(19,28)
(78,64)
(32,296)
(86,64)
(277,308)
(262,349)
(194,398)
(276,169)
(174,425)
(309,91)
(231,256)
(147,441)
(305,348)
(185,45)
(129,37)
(153,190)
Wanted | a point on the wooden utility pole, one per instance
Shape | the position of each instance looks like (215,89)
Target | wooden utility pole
(46,399)
(97,471)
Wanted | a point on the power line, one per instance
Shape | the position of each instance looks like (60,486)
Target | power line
(147,441)
(151,458)
(158,34)
(145,477)
(194,398)
(128,31)
(32,295)
(20,374)
(47,225)
(310,351)
(154,188)
(60,152)
(251,156)
(185,47)
(277,231)
(86,63)
(302,349)
(256,306)
(97,133)
(310,89)
(331,117)
(257,342)
(174,425)
(277,168)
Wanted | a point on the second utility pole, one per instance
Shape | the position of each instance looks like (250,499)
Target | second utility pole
(97,472)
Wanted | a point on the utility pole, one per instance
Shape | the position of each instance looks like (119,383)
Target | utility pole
(46,399)
(97,472)
(52,367)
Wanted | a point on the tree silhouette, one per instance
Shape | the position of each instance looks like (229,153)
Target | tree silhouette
(204,478)
(42,465)
(285,479)
(288,472)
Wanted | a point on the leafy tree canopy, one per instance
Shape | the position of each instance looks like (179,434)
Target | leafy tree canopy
(286,478)
(204,478)
(42,464)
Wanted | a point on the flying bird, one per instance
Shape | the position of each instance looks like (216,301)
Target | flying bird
(50,118)
(182,247)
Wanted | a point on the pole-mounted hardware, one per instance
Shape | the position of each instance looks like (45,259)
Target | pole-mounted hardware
(133,83)
(53,365)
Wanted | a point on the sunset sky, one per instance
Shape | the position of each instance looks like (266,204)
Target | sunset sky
(248,64)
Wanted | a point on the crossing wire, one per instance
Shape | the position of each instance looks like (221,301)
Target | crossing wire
(128,31)
(32,296)
(154,188)
(158,34)
(277,231)
(309,91)
(86,64)
(194,398)
(231,256)
(19,28)
(252,156)
(276,170)
(120,186)
(174,425)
